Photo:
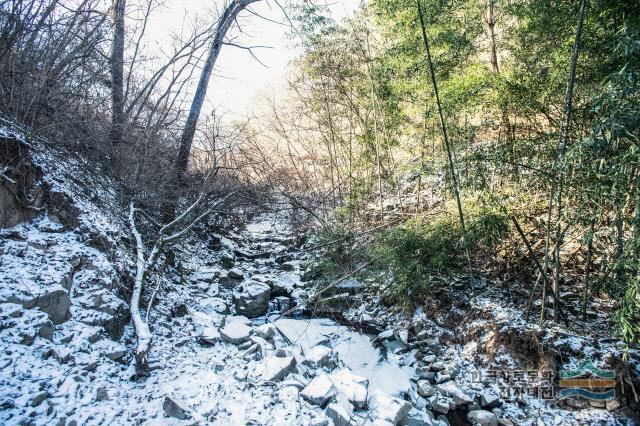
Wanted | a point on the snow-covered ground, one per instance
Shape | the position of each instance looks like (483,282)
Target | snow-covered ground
(66,342)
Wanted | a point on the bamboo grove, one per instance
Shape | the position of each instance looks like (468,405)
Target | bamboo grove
(533,123)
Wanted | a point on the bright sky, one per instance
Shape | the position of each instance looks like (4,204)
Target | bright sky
(238,76)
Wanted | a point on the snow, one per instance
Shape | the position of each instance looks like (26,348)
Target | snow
(355,350)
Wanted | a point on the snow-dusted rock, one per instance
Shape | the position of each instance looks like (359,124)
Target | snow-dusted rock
(339,414)
(236,332)
(209,335)
(266,331)
(424,388)
(319,390)
(110,349)
(482,418)
(235,274)
(252,299)
(489,399)
(439,405)
(386,335)
(213,306)
(318,357)
(207,275)
(387,407)
(451,389)
(417,418)
(404,336)
(351,386)
(277,368)
(54,301)
(173,408)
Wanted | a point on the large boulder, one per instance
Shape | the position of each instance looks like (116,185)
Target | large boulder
(252,299)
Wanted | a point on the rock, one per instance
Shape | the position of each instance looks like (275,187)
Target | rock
(38,398)
(386,335)
(175,409)
(252,299)
(451,388)
(489,399)
(482,418)
(319,391)
(112,350)
(55,302)
(339,415)
(319,357)
(46,330)
(387,407)
(266,331)
(404,336)
(288,266)
(235,274)
(283,303)
(236,332)
(440,405)
(294,383)
(102,394)
(277,368)
(351,386)
(417,418)
(209,335)
(213,306)
(206,275)
(227,260)
(424,388)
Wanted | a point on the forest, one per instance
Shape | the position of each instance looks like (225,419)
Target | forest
(432,191)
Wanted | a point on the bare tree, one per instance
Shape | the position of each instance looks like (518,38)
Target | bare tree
(147,258)
(117,71)
(224,23)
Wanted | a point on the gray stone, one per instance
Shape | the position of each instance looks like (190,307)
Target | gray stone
(482,418)
(175,409)
(252,299)
(266,331)
(424,388)
(209,335)
(489,399)
(102,394)
(277,368)
(235,274)
(417,418)
(439,405)
(451,389)
(339,414)
(38,398)
(319,357)
(319,391)
(388,408)
(236,332)
(55,302)
(112,350)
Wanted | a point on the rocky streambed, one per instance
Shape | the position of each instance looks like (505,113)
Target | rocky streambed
(217,360)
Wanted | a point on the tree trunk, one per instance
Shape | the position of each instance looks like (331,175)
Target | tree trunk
(562,144)
(226,20)
(117,72)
